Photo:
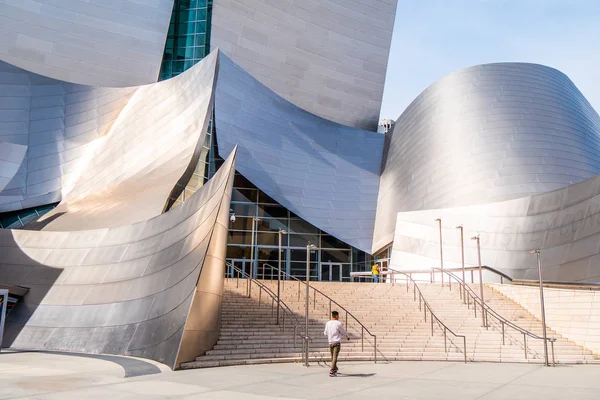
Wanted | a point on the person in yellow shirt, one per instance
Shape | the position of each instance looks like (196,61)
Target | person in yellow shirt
(375,272)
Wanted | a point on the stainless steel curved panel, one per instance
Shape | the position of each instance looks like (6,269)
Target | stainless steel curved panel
(129,290)
(99,43)
(56,121)
(84,144)
(564,223)
(325,56)
(326,173)
(128,175)
(487,133)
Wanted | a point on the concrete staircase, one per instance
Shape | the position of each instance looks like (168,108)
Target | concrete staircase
(249,333)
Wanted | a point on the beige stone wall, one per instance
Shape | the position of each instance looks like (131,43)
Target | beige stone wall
(575,314)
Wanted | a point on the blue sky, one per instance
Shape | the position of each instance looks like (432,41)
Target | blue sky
(433,38)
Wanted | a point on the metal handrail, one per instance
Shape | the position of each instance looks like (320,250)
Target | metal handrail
(305,337)
(427,307)
(488,310)
(348,313)
(532,282)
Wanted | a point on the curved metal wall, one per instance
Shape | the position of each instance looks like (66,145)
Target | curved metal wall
(100,43)
(151,289)
(55,121)
(325,56)
(324,172)
(128,175)
(564,223)
(82,142)
(487,133)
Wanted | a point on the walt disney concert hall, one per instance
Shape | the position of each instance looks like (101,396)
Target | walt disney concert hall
(149,150)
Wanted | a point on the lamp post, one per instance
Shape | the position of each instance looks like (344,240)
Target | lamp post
(439,220)
(462,253)
(281,232)
(254,221)
(480,281)
(309,247)
(538,252)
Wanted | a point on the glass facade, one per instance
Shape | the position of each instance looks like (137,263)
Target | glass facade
(205,168)
(16,219)
(332,260)
(188,39)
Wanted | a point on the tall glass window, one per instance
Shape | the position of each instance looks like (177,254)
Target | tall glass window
(188,39)
(332,260)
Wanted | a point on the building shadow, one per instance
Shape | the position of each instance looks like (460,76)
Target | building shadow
(18,269)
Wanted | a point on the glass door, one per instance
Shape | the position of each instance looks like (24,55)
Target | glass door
(330,272)
(239,263)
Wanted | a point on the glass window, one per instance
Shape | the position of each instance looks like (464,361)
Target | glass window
(301,226)
(241,224)
(273,225)
(243,209)
(330,242)
(267,238)
(242,194)
(342,256)
(303,239)
(239,237)
(272,211)
(239,252)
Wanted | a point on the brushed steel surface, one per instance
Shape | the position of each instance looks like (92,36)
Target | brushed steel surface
(483,134)
(114,43)
(328,57)
(324,172)
(564,223)
(111,272)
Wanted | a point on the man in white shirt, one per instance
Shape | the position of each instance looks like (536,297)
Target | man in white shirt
(334,330)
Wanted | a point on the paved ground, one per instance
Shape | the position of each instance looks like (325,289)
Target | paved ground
(31,375)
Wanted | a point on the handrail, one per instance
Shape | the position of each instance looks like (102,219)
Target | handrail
(533,282)
(426,307)
(488,310)
(273,296)
(348,313)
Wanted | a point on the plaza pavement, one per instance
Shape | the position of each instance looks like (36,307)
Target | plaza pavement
(42,375)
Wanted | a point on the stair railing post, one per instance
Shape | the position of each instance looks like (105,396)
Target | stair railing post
(375,348)
(462,253)
(445,341)
(477,239)
(538,252)
(465,348)
(525,344)
(502,332)
(431,322)
(362,339)
(281,232)
(439,221)
(552,345)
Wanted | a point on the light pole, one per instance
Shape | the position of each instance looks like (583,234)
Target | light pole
(439,220)
(538,252)
(309,247)
(281,232)
(480,281)
(462,253)
(254,221)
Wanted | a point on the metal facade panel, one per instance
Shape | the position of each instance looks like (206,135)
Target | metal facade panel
(72,306)
(118,43)
(483,134)
(327,57)
(566,228)
(324,172)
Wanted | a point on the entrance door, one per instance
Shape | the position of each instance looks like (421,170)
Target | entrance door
(330,272)
(239,263)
